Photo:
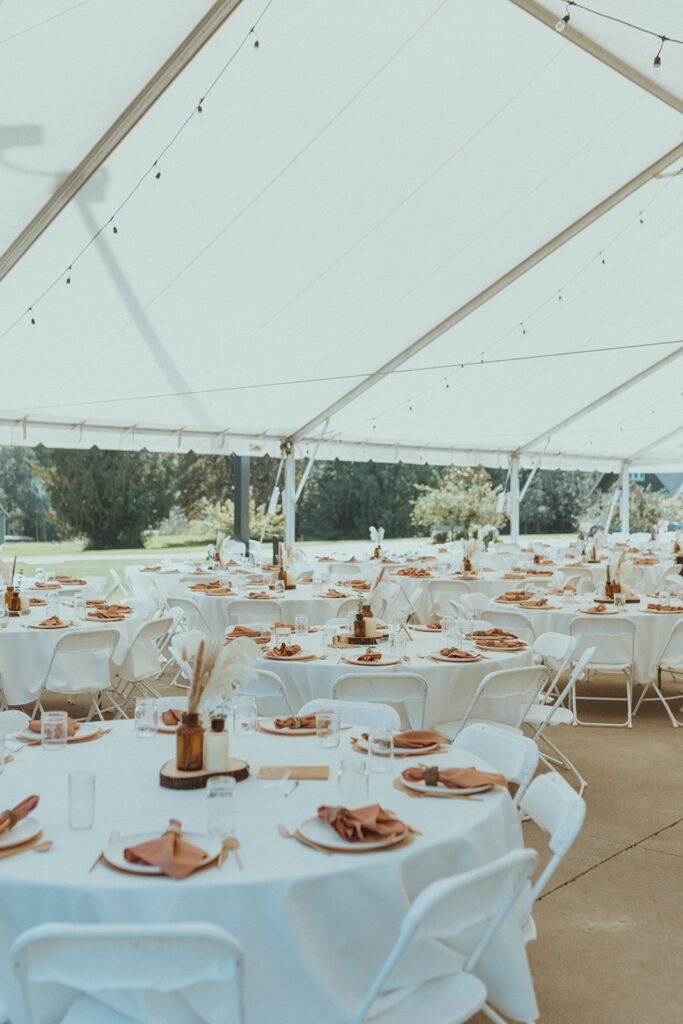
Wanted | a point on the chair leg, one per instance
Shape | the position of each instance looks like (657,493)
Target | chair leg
(492,1015)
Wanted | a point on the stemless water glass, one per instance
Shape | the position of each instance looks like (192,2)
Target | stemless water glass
(53,730)
(244,716)
(221,806)
(79,606)
(352,782)
(52,603)
(620,601)
(397,645)
(329,633)
(81,813)
(279,588)
(39,575)
(283,635)
(449,626)
(301,625)
(381,749)
(146,717)
(327,725)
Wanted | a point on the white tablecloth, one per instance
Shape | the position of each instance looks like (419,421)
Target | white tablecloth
(315,929)
(450,687)
(216,610)
(25,653)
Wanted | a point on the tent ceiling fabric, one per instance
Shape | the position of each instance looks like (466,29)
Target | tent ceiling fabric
(363,173)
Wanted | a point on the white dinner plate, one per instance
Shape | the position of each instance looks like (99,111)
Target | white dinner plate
(353,659)
(363,744)
(113,851)
(86,729)
(607,611)
(423,629)
(27,828)
(303,655)
(438,656)
(322,834)
(441,790)
(268,725)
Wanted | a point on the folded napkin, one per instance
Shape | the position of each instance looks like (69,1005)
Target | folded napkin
(213,585)
(121,609)
(172,716)
(8,819)
(171,853)
(664,608)
(389,561)
(433,625)
(646,561)
(306,579)
(540,603)
(501,643)
(513,575)
(414,739)
(72,726)
(283,651)
(334,593)
(74,583)
(231,562)
(515,595)
(270,568)
(104,613)
(539,572)
(370,656)
(455,654)
(256,595)
(243,631)
(352,559)
(323,558)
(455,778)
(360,584)
(47,586)
(93,603)
(54,620)
(33,601)
(222,591)
(295,722)
(151,568)
(596,609)
(497,631)
(415,573)
(283,625)
(364,824)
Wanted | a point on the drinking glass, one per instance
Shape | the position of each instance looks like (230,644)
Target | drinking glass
(146,717)
(279,588)
(620,601)
(39,575)
(244,715)
(352,782)
(329,633)
(450,626)
(327,725)
(81,813)
(79,606)
(52,603)
(301,625)
(221,806)
(397,645)
(381,749)
(53,730)
(283,635)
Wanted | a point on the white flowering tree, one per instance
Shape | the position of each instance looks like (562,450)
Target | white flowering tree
(464,499)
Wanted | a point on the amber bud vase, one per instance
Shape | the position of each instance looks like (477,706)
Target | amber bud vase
(190,743)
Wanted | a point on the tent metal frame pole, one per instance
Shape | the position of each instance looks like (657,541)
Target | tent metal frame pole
(289,502)
(624,386)
(624,503)
(514,499)
(599,52)
(193,42)
(521,268)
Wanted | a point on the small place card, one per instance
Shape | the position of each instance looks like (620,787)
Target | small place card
(305,771)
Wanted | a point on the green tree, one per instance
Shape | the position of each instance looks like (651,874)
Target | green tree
(645,509)
(110,498)
(553,500)
(464,498)
(24,495)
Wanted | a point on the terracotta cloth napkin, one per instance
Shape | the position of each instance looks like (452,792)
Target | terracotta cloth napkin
(296,722)
(413,572)
(93,603)
(72,726)
(364,824)
(414,739)
(171,853)
(334,593)
(47,586)
(151,568)
(8,819)
(283,625)
(222,591)
(54,620)
(243,631)
(541,603)
(664,608)
(513,575)
(70,581)
(458,778)
(283,651)
(270,568)
(104,613)
(323,558)
(646,561)
(497,631)
(433,625)
(214,585)
(370,656)
(514,595)
(389,561)
(306,579)
(352,559)
(172,716)
(501,643)
(539,572)
(454,653)
(360,584)
(122,609)
(596,608)
(33,601)
(257,595)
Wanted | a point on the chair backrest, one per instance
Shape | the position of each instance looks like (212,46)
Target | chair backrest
(612,638)
(13,722)
(464,910)
(556,808)
(441,592)
(189,973)
(269,611)
(505,696)
(355,712)
(516,622)
(387,687)
(265,685)
(673,649)
(349,605)
(475,603)
(513,755)
(81,661)
(142,658)
(191,612)
(184,646)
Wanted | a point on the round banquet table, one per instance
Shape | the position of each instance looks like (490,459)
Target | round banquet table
(489,583)
(315,928)
(651,574)
(302,601)
(450,687)
(652,630)
(25,653)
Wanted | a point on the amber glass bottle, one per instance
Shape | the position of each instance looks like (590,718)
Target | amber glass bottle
(190,743)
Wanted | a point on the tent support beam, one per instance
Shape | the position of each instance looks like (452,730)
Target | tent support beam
(219,12)
(564,236)
(606,57)
(655,444)
(580,413)
(624,508)
(289,502)
(514,499)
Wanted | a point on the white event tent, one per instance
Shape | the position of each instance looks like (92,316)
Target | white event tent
(437,231)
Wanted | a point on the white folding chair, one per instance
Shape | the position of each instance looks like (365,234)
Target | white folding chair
(613,641)
(517,622)
(184,646)
(269,611)
(191,613)
(502,697)
(555,807)
(265,685)
(463,912)
(12,722)
(126,591)
(351,604)
(386,687)
(81,662)
(581,578)
(355,712)
(142,662)
(474,604)
(513,755)
(671,661)
(441,592)
(113,974)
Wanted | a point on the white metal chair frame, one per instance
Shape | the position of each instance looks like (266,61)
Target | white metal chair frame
(83,641)
(190,608)
(675,669)
(536,676)
(266,684)
(386,687)
(441,592)
(356,712)
(512,754)
(582,626)
(126,687)
(514,620)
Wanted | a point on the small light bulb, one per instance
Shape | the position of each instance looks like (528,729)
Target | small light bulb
(562,24)
(657,66)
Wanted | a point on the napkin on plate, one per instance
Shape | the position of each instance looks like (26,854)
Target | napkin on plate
(34,601)
(433,625)
(47,586)
(334,593)
(172,716)
(255,595)
(104,613)
(455,654)
(414,739)
(501,643)
(456,778)
(171,853)
(54,620)
(495,632)
(284,651)
(151,568)
(364,824)
(295,722)
(283,625)
(72,726)
(243,631)
(8,819)
(370,656)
